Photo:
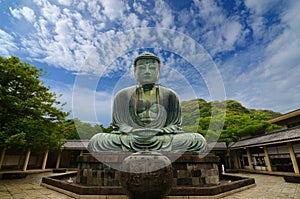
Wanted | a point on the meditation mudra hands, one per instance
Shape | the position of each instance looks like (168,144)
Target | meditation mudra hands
(146,132)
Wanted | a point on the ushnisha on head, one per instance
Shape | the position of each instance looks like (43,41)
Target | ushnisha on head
(146,68)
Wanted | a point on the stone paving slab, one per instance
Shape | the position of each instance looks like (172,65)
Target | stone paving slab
(267,187)
(28,188)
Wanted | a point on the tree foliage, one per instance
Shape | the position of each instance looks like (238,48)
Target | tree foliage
(239,121)
(29,113)
(74,129)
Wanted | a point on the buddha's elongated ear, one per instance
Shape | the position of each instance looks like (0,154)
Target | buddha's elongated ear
(135,74)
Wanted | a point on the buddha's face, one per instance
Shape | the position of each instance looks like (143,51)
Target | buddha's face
(146,71)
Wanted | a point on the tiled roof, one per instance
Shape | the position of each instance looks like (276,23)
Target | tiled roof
(286,135)
(76,144)
(217,146)
(295,113)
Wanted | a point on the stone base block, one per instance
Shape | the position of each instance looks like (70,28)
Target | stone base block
(189,169)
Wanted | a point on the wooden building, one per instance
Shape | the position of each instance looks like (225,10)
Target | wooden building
(12,159)
(275,151)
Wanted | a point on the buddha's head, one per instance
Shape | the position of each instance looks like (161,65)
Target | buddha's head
(146,68)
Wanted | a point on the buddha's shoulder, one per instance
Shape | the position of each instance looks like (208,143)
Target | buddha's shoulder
(167,90)
(130,90)
(126,91)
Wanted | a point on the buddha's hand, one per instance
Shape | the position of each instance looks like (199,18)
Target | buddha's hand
(126,129)
(171,129)
(146,132)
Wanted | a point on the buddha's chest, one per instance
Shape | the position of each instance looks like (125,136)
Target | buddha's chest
(147,106)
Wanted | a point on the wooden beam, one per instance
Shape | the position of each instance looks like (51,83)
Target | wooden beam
(58,159)
(268,161)
(293,158)
(285,116)
(2,157)
(249,159)
(26,161)
(45,160)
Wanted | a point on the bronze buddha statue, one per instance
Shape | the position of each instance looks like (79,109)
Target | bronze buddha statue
(147,117)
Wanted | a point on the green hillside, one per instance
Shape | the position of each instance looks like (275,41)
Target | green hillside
(239,121)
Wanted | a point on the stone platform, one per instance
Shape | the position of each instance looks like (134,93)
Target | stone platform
(193,175)
(188,170)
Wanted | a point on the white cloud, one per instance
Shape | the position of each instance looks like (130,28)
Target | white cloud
(219,32)
(65,37)
(7,44)
(164,14)
(65,2)
(258,26)
(271,80)
(113,9)
(95,10)
(131,21)
(232,33)
(50,12)
(25,12)
(260,7)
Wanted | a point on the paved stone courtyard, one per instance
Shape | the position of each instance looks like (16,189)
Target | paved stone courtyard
(267,187)
(28,188)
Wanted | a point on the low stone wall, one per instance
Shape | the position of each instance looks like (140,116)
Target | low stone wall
(189,169)
(57,183)
(292,179)
(13,175)
(192,170)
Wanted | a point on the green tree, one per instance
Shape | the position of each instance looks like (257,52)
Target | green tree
(239,121)
(30,115)
(75,129)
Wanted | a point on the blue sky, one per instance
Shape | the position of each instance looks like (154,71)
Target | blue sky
(241,50)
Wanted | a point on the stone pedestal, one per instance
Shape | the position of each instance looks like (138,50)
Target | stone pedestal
(189,170)
(100,169)
(146,175)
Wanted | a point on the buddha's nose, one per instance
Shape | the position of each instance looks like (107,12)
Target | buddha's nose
(147,70)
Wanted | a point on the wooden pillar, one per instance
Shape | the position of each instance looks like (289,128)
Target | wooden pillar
(26,161)
(268,161)
(228,157)
(236,160)
(249,159)
(2,157)
(293,157)
(58,159)
(45,160)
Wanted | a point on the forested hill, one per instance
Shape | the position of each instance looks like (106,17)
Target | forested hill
(239,120)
